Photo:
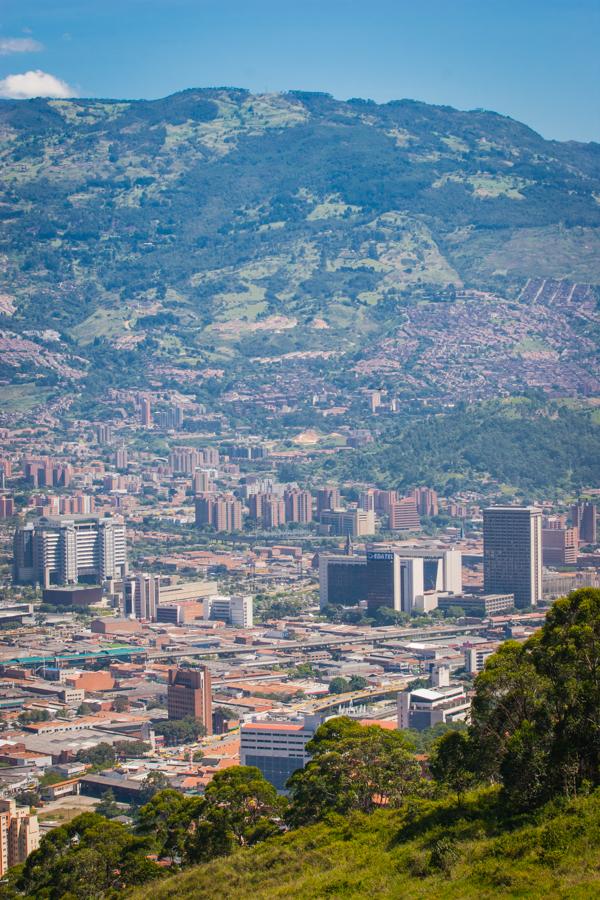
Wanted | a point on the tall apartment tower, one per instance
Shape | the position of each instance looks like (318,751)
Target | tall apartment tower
(121,458)
(223,513)
(584,516)
(426,500)
(273,512)
(19,834)
(298,506)
(328,498)
(189,693)
(512,552)
(146,412)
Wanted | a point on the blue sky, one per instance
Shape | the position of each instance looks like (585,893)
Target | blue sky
(535,61)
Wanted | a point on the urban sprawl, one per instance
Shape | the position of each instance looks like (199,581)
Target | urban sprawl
(171,609)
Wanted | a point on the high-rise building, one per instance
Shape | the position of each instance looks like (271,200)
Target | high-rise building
(202,482)
(47,473)
(584,517)
(560,546)
(395,578)
(170,418)
(366,500)
(104,433)
(512,552)
(238,609)
(298,505)
(403,515)
(224,513)
(328,498)
(189,695)
(255,506)
(273,512)
(7,507)
(277,748)
(121,458)
(209,456)
(141,595)
(19,834)
(383,501)
(426,500)
(67,549)
(146,412)
(184,460)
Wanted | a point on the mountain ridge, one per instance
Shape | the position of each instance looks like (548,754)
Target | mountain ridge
(157,226)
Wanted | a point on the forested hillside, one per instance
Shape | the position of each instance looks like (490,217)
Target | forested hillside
(442,253)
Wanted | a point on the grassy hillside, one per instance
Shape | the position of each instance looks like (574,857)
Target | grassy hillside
(434,850)
(219,226)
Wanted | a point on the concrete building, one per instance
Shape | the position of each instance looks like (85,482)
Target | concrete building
(425,707)
(277,748)
(426,500)
(7,507)
(189,694)
(584,517)
(104,433)
(202,482)
(476,656)
(19,834)
(146,412)
(351,522)
(560,546)
(298,506)
(273,512)
(403,515)
(382,578)
(69,549)
(399,578)
(141,596)
(442,568)
(512,552)
(482,605)
(224,513)
(238,609)
(328,498)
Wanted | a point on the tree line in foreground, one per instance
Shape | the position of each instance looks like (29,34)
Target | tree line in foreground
(534,735)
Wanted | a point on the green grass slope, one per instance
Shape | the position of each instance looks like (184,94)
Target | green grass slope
(432,850)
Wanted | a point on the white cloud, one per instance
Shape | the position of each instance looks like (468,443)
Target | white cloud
(19,45)
(34,83)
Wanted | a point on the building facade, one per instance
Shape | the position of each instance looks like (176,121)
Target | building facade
(278,749)
(69,549)
(512,553)
(189,695)
(19,834)
(238,609)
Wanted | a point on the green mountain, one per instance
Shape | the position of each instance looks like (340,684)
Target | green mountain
(438,252)
(435,850)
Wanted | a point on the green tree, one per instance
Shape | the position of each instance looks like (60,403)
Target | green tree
(353,767)
(536,710)
(241,809)
(167,818)
(339,685)
(180,731)
(450,763)
(108,806)
(120,704)
(102,756)
(151,785)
